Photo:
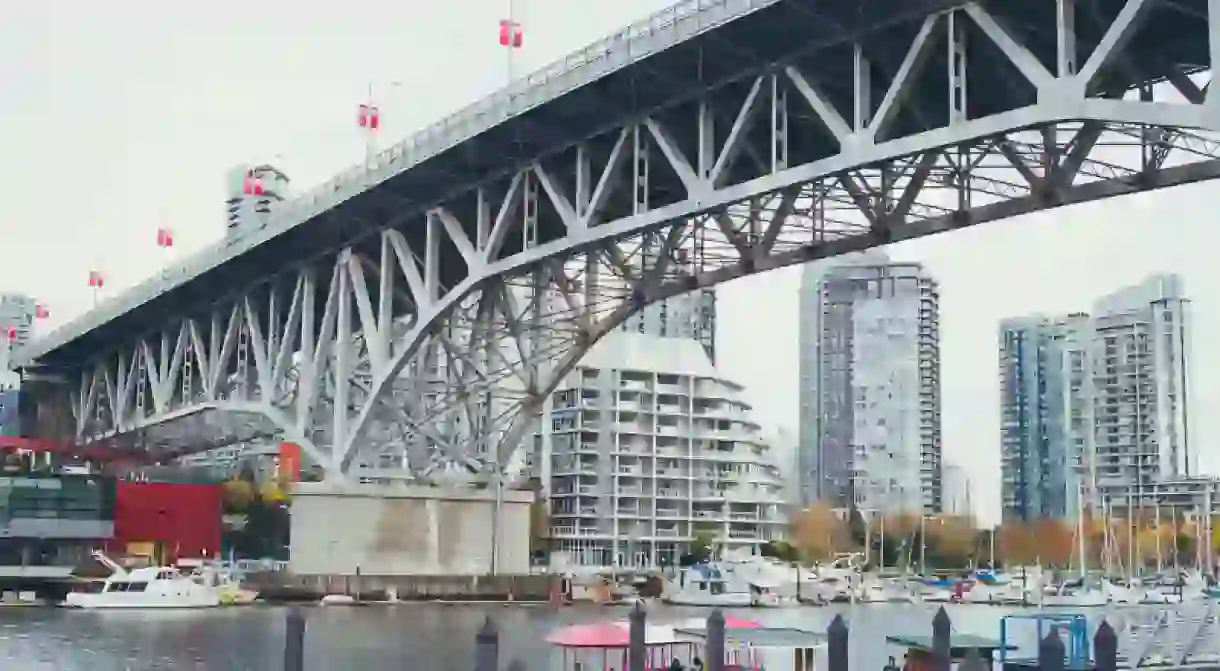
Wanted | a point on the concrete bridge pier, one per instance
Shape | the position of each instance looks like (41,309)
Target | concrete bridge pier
(407,530)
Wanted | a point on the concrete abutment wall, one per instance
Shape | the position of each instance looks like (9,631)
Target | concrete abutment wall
(406,530)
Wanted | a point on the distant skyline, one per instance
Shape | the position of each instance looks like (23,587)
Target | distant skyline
(121,117)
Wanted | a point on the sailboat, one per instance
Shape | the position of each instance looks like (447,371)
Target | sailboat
(1086,593)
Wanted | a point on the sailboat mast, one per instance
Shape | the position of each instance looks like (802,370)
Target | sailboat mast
(881,545)
(1130,535)
(868,541)
(1080,528)
(1173,513)
(923,545)
(1207,528)
(1156,511)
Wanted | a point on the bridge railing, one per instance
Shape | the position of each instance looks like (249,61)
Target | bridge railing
(633,43)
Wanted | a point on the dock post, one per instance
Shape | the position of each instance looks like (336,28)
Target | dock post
(487,647)
(973,661)
(837,651)
(294,640)
(714,645)
(1105,648)
(637,644)
(942,631)
(1050,652)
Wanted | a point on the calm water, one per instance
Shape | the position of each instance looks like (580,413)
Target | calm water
(409,636)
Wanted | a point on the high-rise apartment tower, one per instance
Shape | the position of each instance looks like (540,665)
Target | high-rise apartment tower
(870,386)
(1096,407)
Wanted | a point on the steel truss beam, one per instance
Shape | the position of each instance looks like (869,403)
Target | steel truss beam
(439,340)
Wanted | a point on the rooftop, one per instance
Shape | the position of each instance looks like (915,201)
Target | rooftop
(623,350)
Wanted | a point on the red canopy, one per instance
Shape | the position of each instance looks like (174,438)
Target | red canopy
(601,635)
(617,634)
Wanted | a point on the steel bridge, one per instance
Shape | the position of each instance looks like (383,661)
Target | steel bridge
(419,310)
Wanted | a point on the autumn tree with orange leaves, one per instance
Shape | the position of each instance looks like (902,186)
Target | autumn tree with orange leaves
(818,533)
(1055,543)
(953,538)
(1015,544)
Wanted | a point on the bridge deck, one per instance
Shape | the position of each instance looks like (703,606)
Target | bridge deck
(654,65)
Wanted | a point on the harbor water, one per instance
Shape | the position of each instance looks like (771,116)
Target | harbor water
(420,636)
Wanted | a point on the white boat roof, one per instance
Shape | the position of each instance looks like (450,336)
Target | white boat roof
(766,637)
(146,574)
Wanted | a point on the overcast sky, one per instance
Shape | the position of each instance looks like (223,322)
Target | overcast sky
(116,116)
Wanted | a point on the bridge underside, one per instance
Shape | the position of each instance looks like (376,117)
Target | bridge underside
(194,429)
(424,332)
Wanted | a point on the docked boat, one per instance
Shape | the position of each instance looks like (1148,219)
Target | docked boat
(887,590)
(706,585)
(145,588)
(1188,587)
(1081,593)
(1007,593)
(748,646)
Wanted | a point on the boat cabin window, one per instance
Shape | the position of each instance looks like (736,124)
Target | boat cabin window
(165,575)
(125,586)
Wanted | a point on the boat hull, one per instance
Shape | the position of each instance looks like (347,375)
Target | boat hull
(736,600)
(99,602)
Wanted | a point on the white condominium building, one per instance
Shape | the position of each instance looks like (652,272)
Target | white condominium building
(643,446)
(1140,370)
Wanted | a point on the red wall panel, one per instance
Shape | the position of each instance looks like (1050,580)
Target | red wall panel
(183,519)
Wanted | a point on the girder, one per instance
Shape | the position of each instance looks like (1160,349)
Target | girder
(437,335)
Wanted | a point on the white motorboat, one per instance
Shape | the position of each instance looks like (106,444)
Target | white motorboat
(772,583)
(152,587)
(706,585)
(1002,594)
(886,590)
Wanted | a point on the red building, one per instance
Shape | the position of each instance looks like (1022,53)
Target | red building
(167,521)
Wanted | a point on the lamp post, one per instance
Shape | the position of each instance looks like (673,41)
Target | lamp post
(368,119)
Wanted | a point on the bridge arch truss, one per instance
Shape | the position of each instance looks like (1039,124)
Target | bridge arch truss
(437,335)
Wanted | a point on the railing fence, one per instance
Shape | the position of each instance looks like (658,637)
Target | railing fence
(1051,649)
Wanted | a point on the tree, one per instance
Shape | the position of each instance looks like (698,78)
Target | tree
(781,550)
(818,533)
(267,531)
(1149,539)
(901,525)
(1185,546)
(1016,544)
(858,526)
(702,544)
(276,490)
(951,539)
(237,495)
(1095,536)
(1054,543)
(901,538)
